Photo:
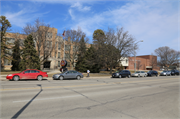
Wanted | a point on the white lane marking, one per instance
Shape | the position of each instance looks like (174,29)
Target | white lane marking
(46,98)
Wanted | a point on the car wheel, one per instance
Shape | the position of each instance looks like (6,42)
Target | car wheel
(16,78)
(39,78)
(129,76)
(145,75)
(156,75)
(78,77)
(61,78)
(120,76)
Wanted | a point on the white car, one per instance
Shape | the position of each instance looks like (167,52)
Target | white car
(139,74)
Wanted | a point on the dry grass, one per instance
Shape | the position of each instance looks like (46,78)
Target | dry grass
(9,72)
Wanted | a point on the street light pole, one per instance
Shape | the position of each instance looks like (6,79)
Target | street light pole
(135,55)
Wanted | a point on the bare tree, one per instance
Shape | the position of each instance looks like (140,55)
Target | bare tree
(117,44)
(167,56)
(73,38)
(124,42)
(139,64)
(42,36)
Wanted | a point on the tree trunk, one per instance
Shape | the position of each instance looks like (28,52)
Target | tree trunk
(110,69)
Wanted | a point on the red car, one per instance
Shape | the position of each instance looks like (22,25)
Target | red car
(27,74)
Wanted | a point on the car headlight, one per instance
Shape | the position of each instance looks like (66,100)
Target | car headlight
(117,73)
(10,75)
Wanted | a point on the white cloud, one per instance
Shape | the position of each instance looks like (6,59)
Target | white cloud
(77,6)
(80,7)
(71,14)
(22,17)
(154,22)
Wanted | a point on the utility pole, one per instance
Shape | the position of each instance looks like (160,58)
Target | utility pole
(135,55)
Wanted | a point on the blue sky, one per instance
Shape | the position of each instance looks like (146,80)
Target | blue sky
(156,22)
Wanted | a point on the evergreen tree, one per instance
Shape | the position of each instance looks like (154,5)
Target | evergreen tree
(16,56)
(91,62)
(4,26)
(82,47)
(80,65)
(30,59)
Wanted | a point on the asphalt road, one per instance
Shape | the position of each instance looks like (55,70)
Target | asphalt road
(92,98)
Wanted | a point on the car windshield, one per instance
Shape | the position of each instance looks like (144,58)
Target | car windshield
(137,72)
(118,71)
(164,71)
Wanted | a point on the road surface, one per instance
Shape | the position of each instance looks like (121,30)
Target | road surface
(92,98)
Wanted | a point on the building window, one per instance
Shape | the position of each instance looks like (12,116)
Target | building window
(55,45)
(75,56)
(49,34)
(68,64)
(50,53)
(66,56)
(75,48)
(9,52)
(50,44)
(55,54)
(10,40)
(21,42)
(67,47)
(126,61)
(7,62)
(74,64)
(58,63)
(58,54)
(59,46)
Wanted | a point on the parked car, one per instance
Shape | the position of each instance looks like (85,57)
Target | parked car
(71,74)
(121,73)
(28,74)
(152,73)
(165,73)
(139,74)
(174,72)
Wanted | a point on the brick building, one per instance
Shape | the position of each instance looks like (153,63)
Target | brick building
(54,42)
(145,62)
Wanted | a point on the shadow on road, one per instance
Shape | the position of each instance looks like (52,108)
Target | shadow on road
(23,108)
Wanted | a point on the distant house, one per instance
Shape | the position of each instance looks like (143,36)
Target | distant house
(145,62)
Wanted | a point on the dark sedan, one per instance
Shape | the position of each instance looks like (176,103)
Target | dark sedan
(152,73)
(121,73)
(174,72)
(71,74)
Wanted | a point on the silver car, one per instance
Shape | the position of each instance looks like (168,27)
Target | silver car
(71,74)
(139,74)
(165,73)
